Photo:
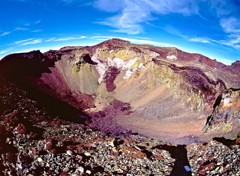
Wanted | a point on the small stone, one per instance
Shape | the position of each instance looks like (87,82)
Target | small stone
(65,169)
(219,169)
(95,159)
(19,166)
(111,142)
(64,173)
(33,167)
(26,170)
(119,170)
(136,147)
(48,145)
(114,149)
(237,141)
(88,172)
(74,174)
(70,153)
(87,154)
(79,158)
(53,151)
(34,151)
(80,169)
(7,140)
(39,159)
(21,129)
(206,168)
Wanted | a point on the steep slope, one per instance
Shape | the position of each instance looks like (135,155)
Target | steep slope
(160,92)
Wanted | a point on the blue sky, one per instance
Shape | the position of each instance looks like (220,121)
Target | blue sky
(209,27)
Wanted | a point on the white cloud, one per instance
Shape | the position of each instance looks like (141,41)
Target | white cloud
(231,40)
(150,42)
(230,25)
(144,38)
(131,13)
(20,29)
(36,22)
(221,7)
(32,42)
(87,4)
(21,41)
(226,61)
(67,38)
(16,29)
(173,30)
(54,39)
(5,33)
(234,42)
(106,5)
(51,39)
(198,39)
(3,51)
(38,30)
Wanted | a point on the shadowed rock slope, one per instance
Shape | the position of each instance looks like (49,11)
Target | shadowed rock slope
(157,91)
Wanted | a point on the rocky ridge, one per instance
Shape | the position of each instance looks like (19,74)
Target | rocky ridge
(118,89)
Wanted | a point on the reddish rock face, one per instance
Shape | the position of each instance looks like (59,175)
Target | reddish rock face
(206,167)
(160,92)
(111,75)
(234,68)
(21,129)
(238,139)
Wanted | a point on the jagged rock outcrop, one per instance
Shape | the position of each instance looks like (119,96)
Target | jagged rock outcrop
(161,92)
(226,112)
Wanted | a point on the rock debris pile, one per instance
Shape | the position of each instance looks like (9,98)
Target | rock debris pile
(36,142)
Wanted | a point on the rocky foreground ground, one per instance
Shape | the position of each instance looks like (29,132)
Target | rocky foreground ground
(34,141)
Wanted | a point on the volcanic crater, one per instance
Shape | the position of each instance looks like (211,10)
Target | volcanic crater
(160,92)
